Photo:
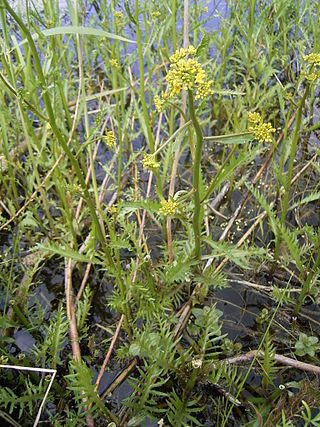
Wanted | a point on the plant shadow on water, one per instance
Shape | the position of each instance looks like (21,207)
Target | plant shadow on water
(179,284)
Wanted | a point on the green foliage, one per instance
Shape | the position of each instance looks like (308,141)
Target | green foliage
(54,338)
(148,391)
(208,329)
(24,403)
(240,257)
(307,345)
(308,418)
(80,382)
(268,362)
(84,306)
(182,412)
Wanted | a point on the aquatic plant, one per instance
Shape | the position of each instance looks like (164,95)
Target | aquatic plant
(159,184)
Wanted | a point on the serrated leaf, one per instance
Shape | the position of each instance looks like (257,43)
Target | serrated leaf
(120,244)
(148,205)
(69,253)
(203,45)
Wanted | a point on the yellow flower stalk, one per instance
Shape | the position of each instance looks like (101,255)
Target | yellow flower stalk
(119,19)
(158,102)
(110,139)
(187,73)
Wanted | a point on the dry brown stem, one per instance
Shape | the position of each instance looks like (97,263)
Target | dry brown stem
(106,360)
(283,360)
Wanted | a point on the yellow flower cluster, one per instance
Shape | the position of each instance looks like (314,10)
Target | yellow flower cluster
(155,15)
(262,132)
(112,210)
(119,19)
(114,63)
(150,162)
(169,207)
(110,139)
(118,15)
(312,58)
(254,118)
(182,74)
(182,54)
(204,89)
(205,9)
(185,73)
(312,77)
(158,102)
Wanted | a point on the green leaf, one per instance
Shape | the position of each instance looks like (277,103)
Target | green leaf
(236,255)
(203,45)
(235,138)
(127,8)
(148,205)
(311,198)
(69,253)
(88,31)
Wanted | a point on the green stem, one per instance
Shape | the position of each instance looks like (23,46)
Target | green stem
(293,150)
(142,87)
(306,286)
(150,139)
(56,130)
(196,176)
(174,34)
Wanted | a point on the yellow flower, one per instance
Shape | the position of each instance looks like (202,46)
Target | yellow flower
(312,77)
(155,15)
(182,74)
(150,162)
(186,73)
(158,102)
(119,19)
(312,58)
(118,15)
(191,50)
(262,132)
(254,118)
(200,76)
(204,89)
(110,139)
(114,63)
(169,207)
(205,9)
(112,210)
(182,54)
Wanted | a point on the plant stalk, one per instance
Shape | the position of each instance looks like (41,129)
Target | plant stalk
(196,176)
